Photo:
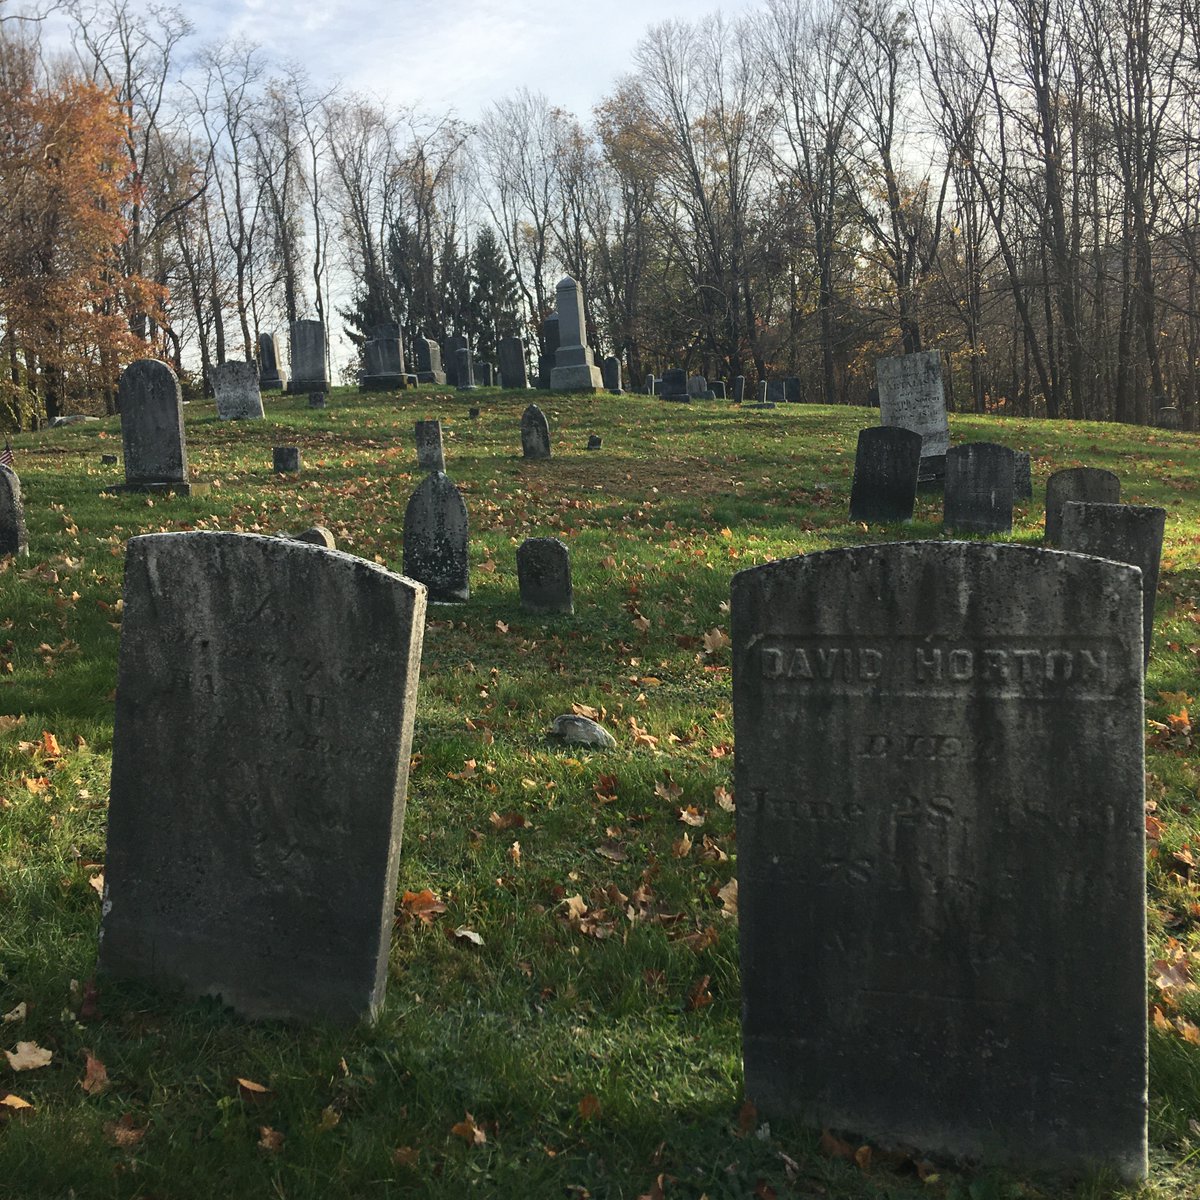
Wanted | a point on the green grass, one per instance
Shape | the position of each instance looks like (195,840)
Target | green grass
(546,1014)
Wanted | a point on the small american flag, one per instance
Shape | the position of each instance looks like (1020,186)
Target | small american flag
(6,455)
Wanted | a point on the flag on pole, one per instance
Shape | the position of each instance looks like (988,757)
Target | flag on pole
(6,455)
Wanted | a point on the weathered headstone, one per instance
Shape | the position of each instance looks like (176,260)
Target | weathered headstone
(464,369)
(485,375)
(383,359)
(575,369)
(777,391)
(109,460)
(435,539)
(285,458)
(739,389)
(1022,475)
(317,535)
(454,343)
(316,399)
(272,376)
(429,362)
(717,389)
(152,427)
(594,442)
(535,433)
(259,877)
(674,385)
(1127,533)
(1169,418)
(764,392)
(514,373)
(911,395)
(549,340)
(885,474)
(648,384)
(792,389)
(428,437)
(1090,485)
(697,387)
(472,412)
(13,538)
(544,576)
(235,385)
(979,488)
(309,372)
(939,758)
(610,369)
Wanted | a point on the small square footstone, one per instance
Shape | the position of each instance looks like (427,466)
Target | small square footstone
(941,865)
(285,458)
(544,576)
(472,412)
(1088,485)
(594,441)
(979,488)
(316,399)
(260,876)
(885,474)
(435,540)
(428,436)
(535,433)
(108,460)
(13,539)
(1128,533)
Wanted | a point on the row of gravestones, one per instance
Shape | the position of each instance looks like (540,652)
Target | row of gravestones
(939,781)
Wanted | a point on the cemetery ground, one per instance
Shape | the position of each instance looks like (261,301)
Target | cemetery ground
(562,1015)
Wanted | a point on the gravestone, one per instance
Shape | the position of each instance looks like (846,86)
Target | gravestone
(674,385)
(912,396)
(513,371)
(575,369)
(739,389)
(316,399)
(383,360)
(1127,533)
(472,412)
(544,576)
(979,489)
(792,390)
(285,458)
(1022,476)
(549,348)
(486,375)
(435,539)
(235,385)
(1089,485)
(317,535)
(776,391)
(428,437)
(152,428)
(885,474)
(454,343)
(764,391)
(1169,418)
(464,369)
(717,389)
(309,372)
(260,877)
(594,442)
(271,375)
(535,433)
(429,362)
(940,835)
(610,369)
(13,538)
(648,384)
(697,387)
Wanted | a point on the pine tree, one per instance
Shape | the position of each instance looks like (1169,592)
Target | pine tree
(494,299)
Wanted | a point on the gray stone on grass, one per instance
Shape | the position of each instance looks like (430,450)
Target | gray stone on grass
(454,343)
(1127,533)
(544,576)
(911,395)
(383,360)
(777,391)
(316,399)
(610,369)
(979,488)
(310,372)
(514,373)
(581,730)
(739,389)
(435,540)
(272,375)
(764,393)
(885,474)
(428,438)
(13,538)
(941,859)
(261,744)
(317,535)
(108,460)
(697,388)
(574,369)
(152,426)
(1089,485)
(535,433)
(464,369)
(1169,418)
(429,362)
(235,385)
(285,458)
(594,441)
(793,390)
(648,384)
(717,389)
(674,385)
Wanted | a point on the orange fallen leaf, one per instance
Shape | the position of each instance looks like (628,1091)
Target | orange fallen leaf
(698,994)
(406,1156)
(589,1107)
(253,1092)
(834,1147)
(50,747)
(125,1133)
(14,1103)
(422,905)
(270,1140)
(691,816)
(95,1075)
(469,1131)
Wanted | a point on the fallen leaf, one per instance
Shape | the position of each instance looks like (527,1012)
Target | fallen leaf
(329,1119)
(270,1140)
(834,1147)
(1154,828)
(668,790)
(14,1103)
(422,905)
(95,1075)
(714,640)
(728,895)
(690,816)
(468,935)
(97,882)
(589,1107)
(681,848)
(406,1156)
(125,1133)
(28,1056)
(586,710)
(500,625)
(612,852)
(50,747)
(641,624)
(698,994)
(1169,975)
(862,1158)
(469,1131)
(510,820)
(17,1014)
(747,1119)
(252,1092)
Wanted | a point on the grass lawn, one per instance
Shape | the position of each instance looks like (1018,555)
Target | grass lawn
(590,1046)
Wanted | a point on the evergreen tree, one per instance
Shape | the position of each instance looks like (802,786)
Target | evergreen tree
(495,301)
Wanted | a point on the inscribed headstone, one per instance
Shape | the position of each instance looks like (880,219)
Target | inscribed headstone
(1090,485)
(939,758)
(514,373)
(885,474)
(912,396)
(285,458)
(1128,533)
(235,385)
(429,362)
(697,387)
(13,538)
(259,875)
(1022,475)
(309,370)
(464,369)
(428,437)
(777,391)
(979,488)
(544,576)
(535,433)
(610,369)
(152,426)
(383,359)
(435,539)
(272,375)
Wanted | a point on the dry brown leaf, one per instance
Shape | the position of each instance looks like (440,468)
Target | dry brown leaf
(586,710)
(50,746)
(612,852)
(14,1103)
(589,1107)
(681,848)
(747,1119)
(422,905)
(698,994)
(501,627)
(406,1156)
(834,1147)
(95,1075)
(728,895)
(7,723)
(510,820)
(17,1014)
(252,1092)
(714,640)
(329,1119)
(463,934)
(470,1133)
(270,1140)
(125,1133)
(97,882)
(514,854)
(28,1056)
(668,790)
(691,816)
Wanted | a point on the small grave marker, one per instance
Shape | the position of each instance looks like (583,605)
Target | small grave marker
(979,488)
(435,540)
(544,576)
(535,433)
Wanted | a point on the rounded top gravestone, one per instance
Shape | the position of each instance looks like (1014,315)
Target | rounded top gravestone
(235,385)
(151,407)
(435,539)
(535,433)
(13,539)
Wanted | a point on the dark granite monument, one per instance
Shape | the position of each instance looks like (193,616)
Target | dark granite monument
(610,369)
(1089,485)
(514,373)
(285,458)
(885,474)
(309,370)
(979,488)
(544,576)
(429,362)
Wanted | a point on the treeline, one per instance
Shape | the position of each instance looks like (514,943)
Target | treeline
(795,192)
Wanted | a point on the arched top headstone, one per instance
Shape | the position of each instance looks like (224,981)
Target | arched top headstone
(435,539)
(151,407)
(535,433)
